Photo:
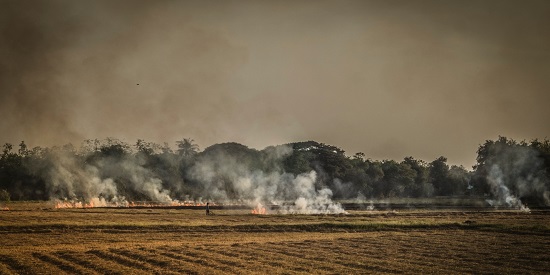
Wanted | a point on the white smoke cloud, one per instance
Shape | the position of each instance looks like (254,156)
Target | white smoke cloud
(503,196)
(514,173)
(68,180)
(228,179)
(224,178)
(71,180)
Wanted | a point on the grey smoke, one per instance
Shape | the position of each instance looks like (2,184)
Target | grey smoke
(387,78)
(223,179)
(221,174)
(515,172)
(69,179)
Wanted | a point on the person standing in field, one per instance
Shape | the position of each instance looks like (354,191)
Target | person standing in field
(207,208)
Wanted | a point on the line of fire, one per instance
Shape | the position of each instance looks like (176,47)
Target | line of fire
(257,209)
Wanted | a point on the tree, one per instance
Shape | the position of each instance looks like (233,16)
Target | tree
(398,178)
(439,175)
(359,156)
(115,148)
(298,162)
(7,149)
(519,168)
(147,148)
(458,179)
(422,187)
(12,172)
(166,149)
(23,149)
(187,148)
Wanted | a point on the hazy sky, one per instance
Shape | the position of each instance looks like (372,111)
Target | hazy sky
(387,78)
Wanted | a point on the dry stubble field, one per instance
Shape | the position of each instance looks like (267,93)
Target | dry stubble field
(37,239)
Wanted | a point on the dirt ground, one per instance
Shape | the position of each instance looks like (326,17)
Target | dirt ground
(37,239)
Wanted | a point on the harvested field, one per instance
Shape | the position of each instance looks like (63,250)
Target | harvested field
(40,240)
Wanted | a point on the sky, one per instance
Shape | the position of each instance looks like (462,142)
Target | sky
(387,78)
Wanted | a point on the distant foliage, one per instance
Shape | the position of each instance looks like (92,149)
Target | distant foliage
(507,170)
(149,171)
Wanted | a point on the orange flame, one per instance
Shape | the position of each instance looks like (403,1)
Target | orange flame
(259,210)
(91,204)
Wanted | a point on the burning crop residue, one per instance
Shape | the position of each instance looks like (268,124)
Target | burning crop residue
(127,182)
(259,210)
(64,204)
(498,181)
(72,204)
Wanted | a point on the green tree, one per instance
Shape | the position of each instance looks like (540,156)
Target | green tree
(298,162)
(422,187)
(23,149)
(14,175)
(115,149)
(459,179)
(397,179)
(147,148)
(357,175)
(439,175)
(187,147)
(7,149)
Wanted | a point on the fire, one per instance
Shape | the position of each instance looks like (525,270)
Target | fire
(259,210)
(73,204)
(95,202)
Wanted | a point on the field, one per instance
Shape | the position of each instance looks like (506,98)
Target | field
(37,239)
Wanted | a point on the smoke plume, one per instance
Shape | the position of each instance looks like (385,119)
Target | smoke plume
(104,182)
(516,172)
(227,178)
(115,179)
(269,72)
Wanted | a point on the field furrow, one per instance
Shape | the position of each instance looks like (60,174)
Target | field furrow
(319,258)
(151,260)
(397,257)
(25,264)
(87,261)
(187,255)
(357,261)
(164,241)
(319,266)
(185,264)
(5,268)
(135,266)
(203,258)
(200,265)
(63,265)
(224,254)
(460,254)
(270,264)
(229,264)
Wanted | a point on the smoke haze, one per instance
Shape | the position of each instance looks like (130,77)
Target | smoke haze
(120,179)
(390,79)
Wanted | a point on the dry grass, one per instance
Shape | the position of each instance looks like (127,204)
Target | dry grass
(37,239)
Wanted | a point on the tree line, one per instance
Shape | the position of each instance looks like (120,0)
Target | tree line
(503,165)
